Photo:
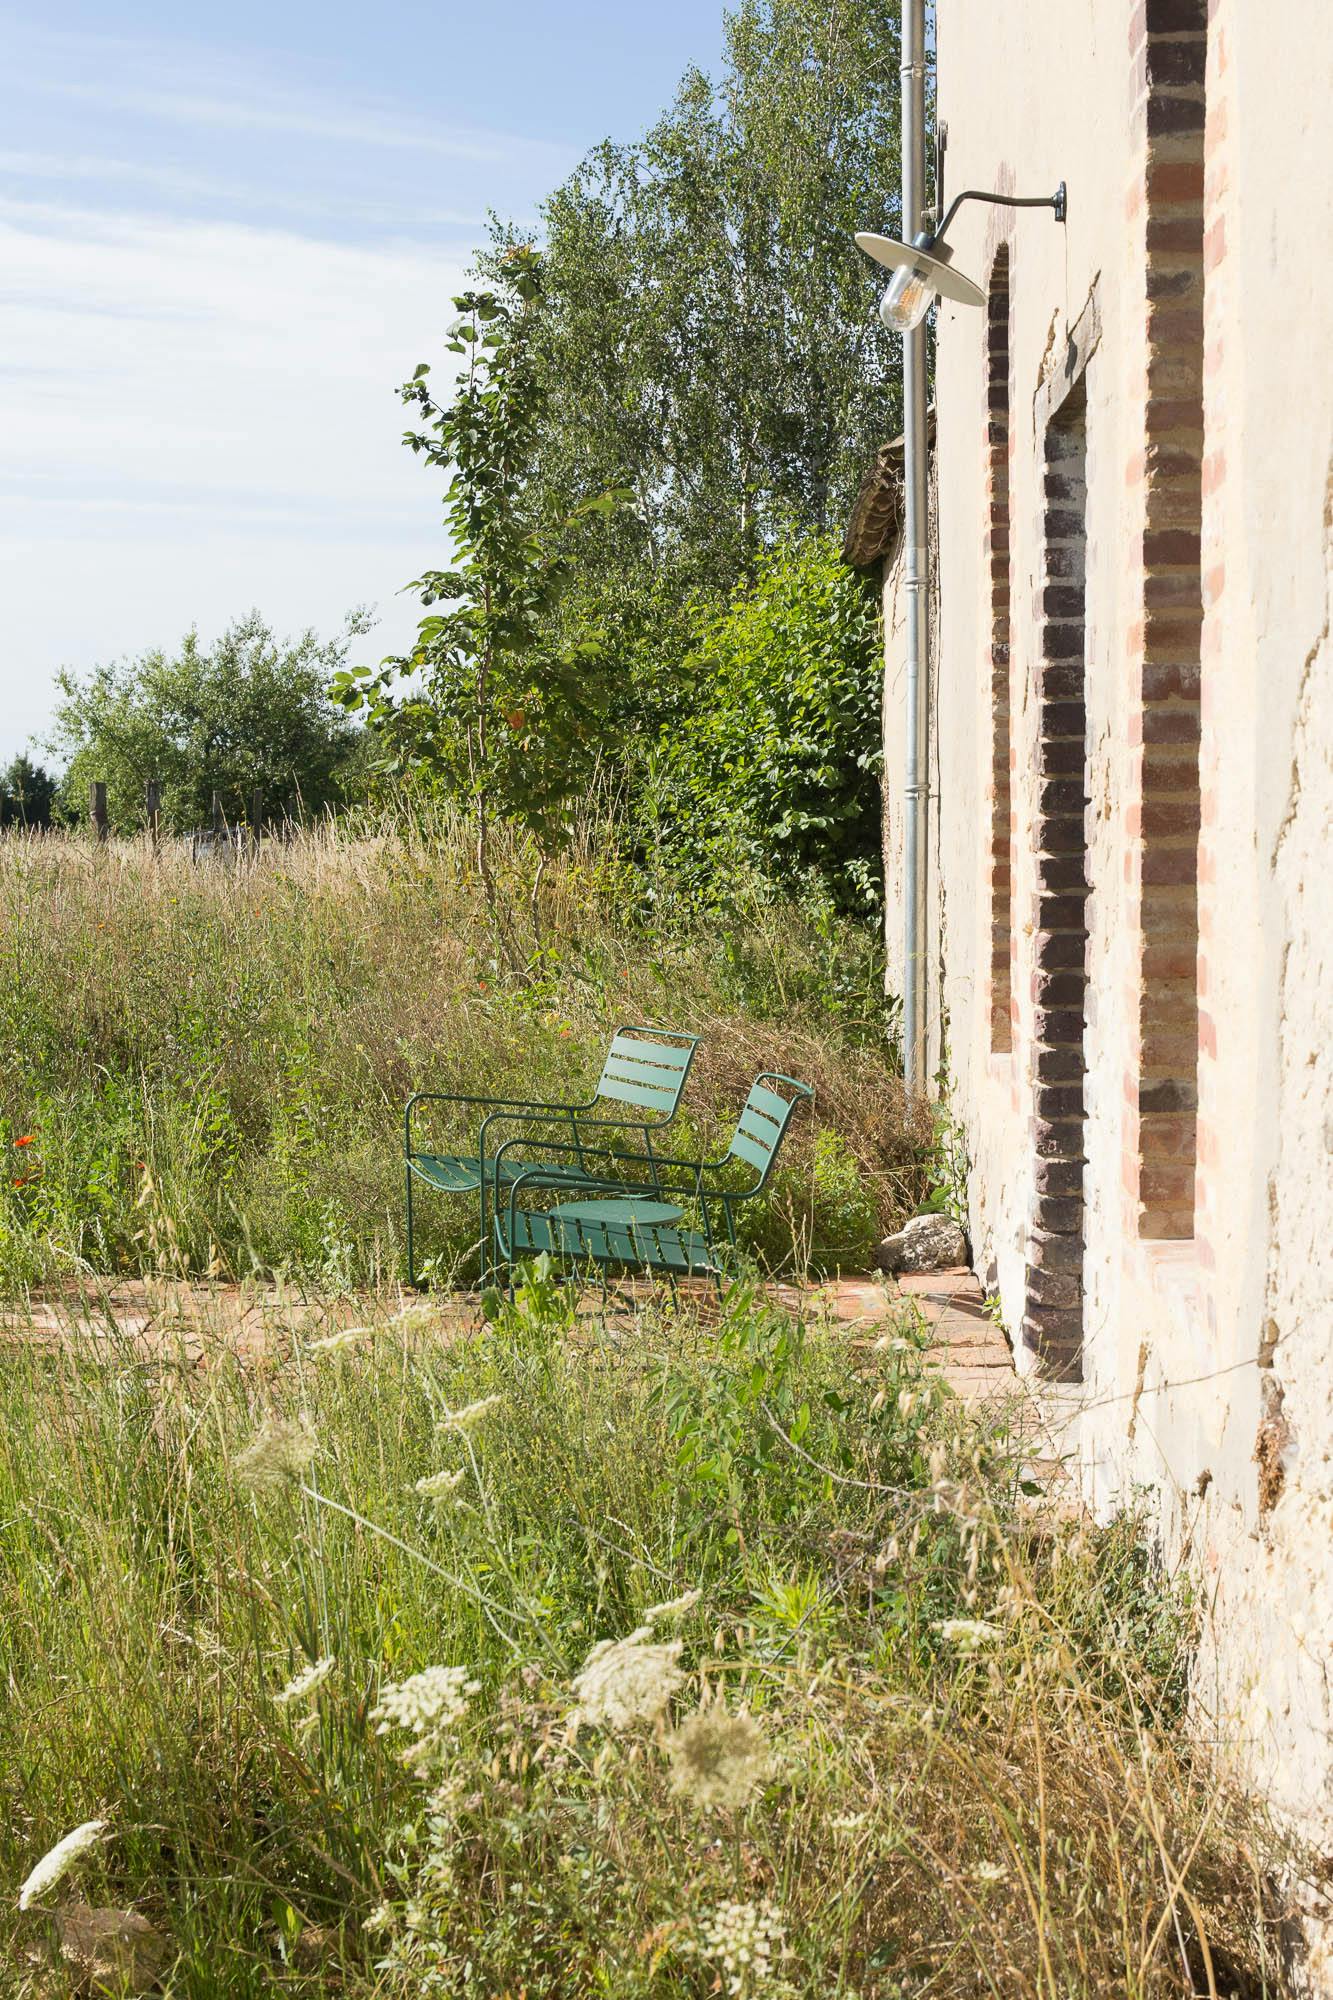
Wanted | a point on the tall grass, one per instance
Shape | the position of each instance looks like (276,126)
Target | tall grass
(210,1059)
(941,1750)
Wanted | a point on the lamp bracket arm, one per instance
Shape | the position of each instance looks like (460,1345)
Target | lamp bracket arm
(1054,201)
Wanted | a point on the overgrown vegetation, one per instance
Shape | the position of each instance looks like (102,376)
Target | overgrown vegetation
(652,1658)
(207,1063)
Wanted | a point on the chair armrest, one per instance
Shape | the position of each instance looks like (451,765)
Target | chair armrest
(515,1105)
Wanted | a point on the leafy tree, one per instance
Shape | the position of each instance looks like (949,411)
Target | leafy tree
(495,701)
(771,762)
(711,339)
(250,713)
(27,794)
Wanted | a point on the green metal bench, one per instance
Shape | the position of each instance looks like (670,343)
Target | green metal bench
(641,1225)
(644,1067)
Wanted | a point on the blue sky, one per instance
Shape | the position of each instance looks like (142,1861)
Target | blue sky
(226,234)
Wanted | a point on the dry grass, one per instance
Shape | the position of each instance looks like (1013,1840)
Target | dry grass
(1007,1806)
(212,1059)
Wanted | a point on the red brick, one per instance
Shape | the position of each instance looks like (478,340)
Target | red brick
(1060,1178)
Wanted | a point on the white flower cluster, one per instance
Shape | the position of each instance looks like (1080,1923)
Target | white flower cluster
(470,1415)
(742,1938)
(718,1759)
(340,1341)
(624,1681)
(438,1485)
(428,1705)
(53,1867)
(304,1684)
(967,1633)
(279,1452)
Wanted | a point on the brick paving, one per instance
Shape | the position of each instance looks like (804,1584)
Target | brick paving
(189,1318)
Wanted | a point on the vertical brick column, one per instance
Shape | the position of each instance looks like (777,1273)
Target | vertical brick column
(998,399)
(1169,43)
(1053,1313)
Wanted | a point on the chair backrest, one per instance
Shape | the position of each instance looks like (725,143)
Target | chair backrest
(764,1121)
(648,1067)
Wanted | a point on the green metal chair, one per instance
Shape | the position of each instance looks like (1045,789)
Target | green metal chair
(644,1067)
(640,1225)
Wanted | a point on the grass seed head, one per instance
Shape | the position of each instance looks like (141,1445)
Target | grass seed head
(53,1867)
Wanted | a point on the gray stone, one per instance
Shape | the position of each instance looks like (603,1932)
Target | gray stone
(926,1243)
(114,1951)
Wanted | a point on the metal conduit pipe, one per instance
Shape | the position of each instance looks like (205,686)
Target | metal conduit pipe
(916,574)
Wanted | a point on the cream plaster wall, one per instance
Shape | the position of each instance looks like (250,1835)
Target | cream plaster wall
(1196,1353)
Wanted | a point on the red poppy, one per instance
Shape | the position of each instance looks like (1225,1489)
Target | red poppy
(23,1182)
(26,1140)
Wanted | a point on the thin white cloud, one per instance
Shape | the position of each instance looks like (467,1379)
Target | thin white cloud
(99,170)
(199,417)
(309,119)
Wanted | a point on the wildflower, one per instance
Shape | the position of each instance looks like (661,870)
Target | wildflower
(415,1318)
(437,1485)
(626,1680)
(280,1451)
(967,1633)
(336,1343)
(469,1416)
(742,1938)
(380,1919)
(989,1872)
(426,1703)
(306,1683)
(675,1607)
(718,1759)
(27,1139)
(848,1822)
(53,1867)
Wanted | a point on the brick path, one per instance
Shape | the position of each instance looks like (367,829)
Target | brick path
(968,1346)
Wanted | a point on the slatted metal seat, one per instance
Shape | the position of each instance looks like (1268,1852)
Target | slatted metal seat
(645,1068)
(642,1226)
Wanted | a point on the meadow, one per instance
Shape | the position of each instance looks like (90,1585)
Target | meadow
(657,1656)
(551,1649)
(205,1064)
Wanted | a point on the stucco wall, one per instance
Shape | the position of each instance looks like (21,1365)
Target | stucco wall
(1199,1352)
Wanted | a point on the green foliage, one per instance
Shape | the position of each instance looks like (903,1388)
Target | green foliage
(505,714)
(967,1765)
(769,760)
(27,794)
(251,713)
(711,339)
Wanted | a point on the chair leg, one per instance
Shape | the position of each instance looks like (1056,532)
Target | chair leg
(411,1253)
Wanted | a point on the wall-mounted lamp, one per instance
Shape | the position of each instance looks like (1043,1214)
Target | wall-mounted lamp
(922,271)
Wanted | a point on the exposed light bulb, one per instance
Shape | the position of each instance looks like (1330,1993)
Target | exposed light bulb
(908,299)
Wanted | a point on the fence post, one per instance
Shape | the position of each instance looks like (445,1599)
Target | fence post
(219,817)
(255,815)
(152,798)
(97,809)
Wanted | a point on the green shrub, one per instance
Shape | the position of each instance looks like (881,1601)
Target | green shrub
(769,760)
